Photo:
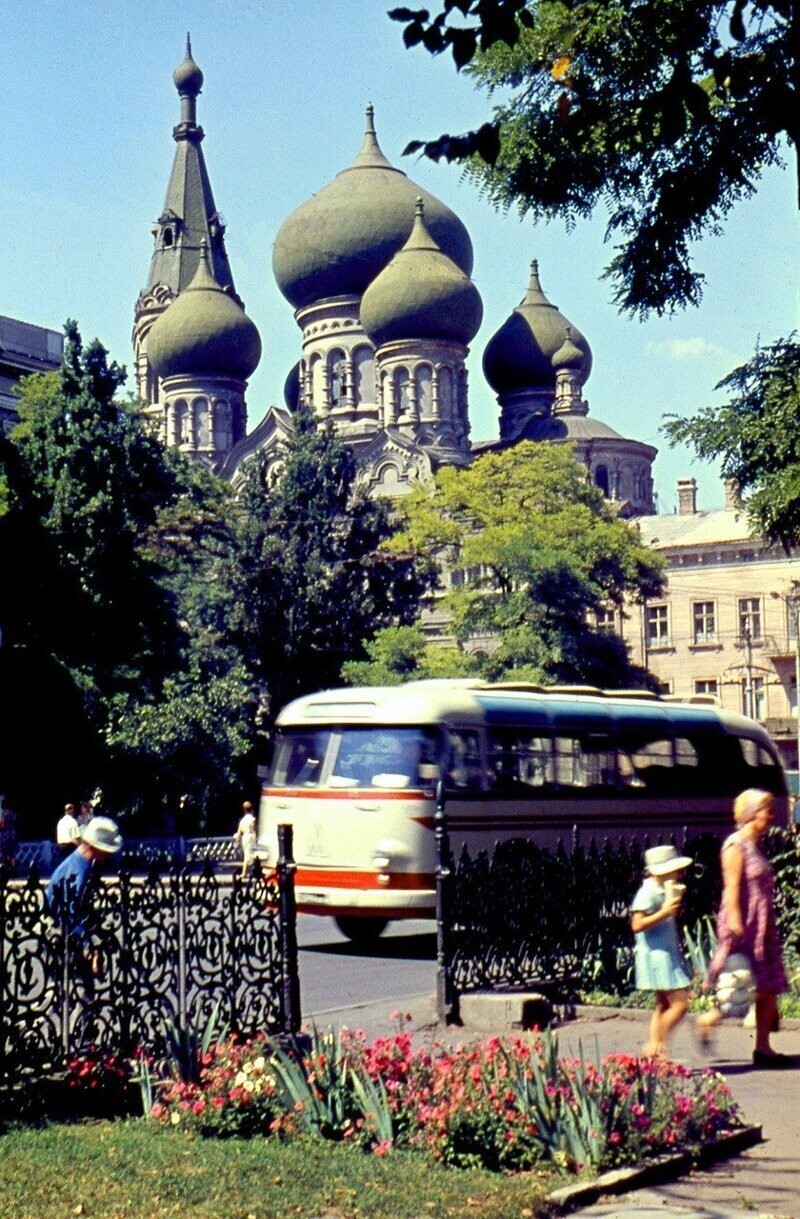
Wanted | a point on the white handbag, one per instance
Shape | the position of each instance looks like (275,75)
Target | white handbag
(736,986)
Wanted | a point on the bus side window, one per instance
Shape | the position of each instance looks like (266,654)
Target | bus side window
(464,768)
(519,761)
(653,766)
(761,769)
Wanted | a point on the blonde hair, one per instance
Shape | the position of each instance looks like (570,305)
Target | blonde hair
(747,804)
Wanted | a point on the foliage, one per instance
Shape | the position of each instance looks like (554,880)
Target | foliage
(131,1169)
(312,580)
(535,553)
(117,636)
(660,112)
(402,653)
(755,435)
(501,1105)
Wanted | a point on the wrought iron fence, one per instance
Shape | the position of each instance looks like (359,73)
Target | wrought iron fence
(138,853)
(163,947)
(555,921)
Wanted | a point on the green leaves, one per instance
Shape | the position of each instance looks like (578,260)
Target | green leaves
(534,552)
(648,110)
(756,436)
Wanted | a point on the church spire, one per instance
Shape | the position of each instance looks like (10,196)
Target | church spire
(190,215)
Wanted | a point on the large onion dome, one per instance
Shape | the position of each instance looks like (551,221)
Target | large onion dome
(520,355)
(340,239)
(421,294)
(204,332)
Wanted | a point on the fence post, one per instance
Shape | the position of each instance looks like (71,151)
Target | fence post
(288,930)
(444,980)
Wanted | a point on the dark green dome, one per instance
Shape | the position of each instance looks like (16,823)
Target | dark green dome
(521,354)
(340,239)
(204,332)
(421,294)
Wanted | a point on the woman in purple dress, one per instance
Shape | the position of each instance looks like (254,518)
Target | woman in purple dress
(746,921)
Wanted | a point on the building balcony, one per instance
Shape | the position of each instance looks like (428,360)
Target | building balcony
(781,729)
(780,647)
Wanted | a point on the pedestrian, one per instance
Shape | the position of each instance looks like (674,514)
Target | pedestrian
(245,837)
(8,836)
(85,814)
(746,924)
(658,959)
(66,895)
(67,831)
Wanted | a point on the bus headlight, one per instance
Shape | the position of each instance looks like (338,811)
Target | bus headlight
(387,855)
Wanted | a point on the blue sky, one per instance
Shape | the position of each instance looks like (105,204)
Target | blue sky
(86,116)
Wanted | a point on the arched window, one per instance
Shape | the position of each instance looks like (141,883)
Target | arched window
(402,390)
(337,373)
(424,379)
(223,425)
(316,382)
(202,417)
(601,480)
(364,362)
(183,424)
(446,393)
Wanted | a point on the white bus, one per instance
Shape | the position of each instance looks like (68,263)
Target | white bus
(355,773)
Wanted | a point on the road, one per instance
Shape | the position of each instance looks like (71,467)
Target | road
(336,974)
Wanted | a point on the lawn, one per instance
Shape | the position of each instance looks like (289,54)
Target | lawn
(137,1170)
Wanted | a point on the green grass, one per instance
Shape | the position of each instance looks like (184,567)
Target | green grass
(136,1170)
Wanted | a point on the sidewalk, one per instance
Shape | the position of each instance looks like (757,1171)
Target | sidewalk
(763,1183)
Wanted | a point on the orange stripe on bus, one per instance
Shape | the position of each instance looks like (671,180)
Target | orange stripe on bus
(341,878)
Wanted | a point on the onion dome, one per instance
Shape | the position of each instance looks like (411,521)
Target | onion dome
(291,387)
(421,294)
(204,332)
(187,76)
(521,354)
(340,239)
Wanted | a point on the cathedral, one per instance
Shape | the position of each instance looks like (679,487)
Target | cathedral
(377,271)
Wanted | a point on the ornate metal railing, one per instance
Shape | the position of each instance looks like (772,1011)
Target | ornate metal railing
(555,921)
(166,946)
(137,853)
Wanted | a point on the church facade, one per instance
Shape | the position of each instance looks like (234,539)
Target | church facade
(377,271)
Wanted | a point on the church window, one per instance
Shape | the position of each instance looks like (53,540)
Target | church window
(337,366)
(224,425)
(365,375)
(402,388)
(446,394)
(203,422)
(316,382)
(167,238)
(601,480)
(424,379)
(183,423)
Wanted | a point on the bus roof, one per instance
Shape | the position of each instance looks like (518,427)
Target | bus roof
(468,700)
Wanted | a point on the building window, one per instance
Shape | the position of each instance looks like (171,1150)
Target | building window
(791,622)
(705,622)
(754,700)
(706,685)
(658,626)
(601,480)
(750,618)
(606,621)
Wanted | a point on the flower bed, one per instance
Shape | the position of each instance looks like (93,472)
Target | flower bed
(504,1104)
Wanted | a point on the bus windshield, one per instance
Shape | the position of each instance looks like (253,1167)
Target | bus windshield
(343,757)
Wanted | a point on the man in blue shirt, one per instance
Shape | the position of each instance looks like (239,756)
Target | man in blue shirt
(65,895)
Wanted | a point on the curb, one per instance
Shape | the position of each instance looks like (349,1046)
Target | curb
(654,1172)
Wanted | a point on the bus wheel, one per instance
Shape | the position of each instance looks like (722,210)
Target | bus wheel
(361,930)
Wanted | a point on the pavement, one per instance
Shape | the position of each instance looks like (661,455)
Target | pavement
(762,1183)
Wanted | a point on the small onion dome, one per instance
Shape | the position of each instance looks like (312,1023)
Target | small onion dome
(204,332)
(340,239)
(187,76)
(421,294)
(520,355)
(569,355)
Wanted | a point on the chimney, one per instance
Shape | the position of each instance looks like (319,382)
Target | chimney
(733,498)
(687,496)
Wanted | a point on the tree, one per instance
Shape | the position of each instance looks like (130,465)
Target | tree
(756,436)
(102,537)
(661,111)
(535,553)
(402,653)
(313,581)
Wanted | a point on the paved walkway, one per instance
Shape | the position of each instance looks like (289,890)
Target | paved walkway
(763,1183)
